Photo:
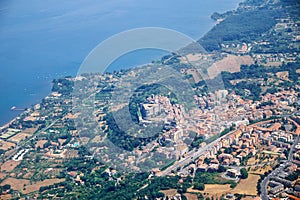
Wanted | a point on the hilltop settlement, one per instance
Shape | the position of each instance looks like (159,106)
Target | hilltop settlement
(236,137)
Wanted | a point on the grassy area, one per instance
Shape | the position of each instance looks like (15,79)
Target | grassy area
(210,178)
(260,170)
(247,186)
(26,187)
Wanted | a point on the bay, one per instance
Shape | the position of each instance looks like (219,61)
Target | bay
(43,40)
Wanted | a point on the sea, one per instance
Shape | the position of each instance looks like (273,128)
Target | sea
(44,40)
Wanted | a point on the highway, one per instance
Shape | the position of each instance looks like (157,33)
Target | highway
(192,155)
(196,153)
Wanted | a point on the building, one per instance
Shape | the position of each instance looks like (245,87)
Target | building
(150,110)
(233,173)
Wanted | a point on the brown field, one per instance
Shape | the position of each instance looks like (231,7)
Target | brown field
(6,145)
(191,196)
(2,175)
(231,63)
(216,189)
(5,196)
(170,192)
(61,141)
(18,184)
(247,186)
(19,137)
(213,189)
(260,170)
(28,175)
(252,161)
(9,165)
(40,143)
(30,130)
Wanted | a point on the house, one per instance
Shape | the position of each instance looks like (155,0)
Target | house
(202,167)
(213,168)
(233,173)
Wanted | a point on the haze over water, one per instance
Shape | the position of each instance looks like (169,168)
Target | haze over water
(43,40)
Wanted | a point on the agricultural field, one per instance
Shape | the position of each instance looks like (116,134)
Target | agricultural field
(2,175)
(6,145)
(231,63)
(170,192)
(191,196)
(19,137)
(247,186)
(25,187)
(9,133)
(9,166)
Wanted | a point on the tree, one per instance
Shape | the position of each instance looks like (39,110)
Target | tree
(6,187)
(221,169)
(233,185)
(199,186)
(244,173)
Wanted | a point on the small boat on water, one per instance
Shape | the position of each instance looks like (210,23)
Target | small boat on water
(16,109)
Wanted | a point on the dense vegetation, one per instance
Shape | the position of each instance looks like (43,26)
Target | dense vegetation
(244,27)
(210,178)
(63,86)
(254,72)
(121,138)
(244,173)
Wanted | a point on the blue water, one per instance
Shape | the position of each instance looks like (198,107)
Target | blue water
(42,40)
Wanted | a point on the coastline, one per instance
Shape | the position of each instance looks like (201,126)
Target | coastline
(8,123)
(10,118)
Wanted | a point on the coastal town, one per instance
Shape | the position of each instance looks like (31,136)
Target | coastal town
(250,136)
(236,137)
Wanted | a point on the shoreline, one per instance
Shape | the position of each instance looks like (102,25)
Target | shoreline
(6,125)
(9,120)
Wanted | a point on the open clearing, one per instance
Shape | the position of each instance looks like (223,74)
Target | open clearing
(260,170)
(9,165)
(231,63)
(247,186)
(213,189)
(6,145)
(216,189)
(30,130)
(2,175)
(19,137)
(170,192)
(18,184)
(191,196)
(40,143)
(5,196)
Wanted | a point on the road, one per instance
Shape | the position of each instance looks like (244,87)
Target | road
(192,155)
(264,183)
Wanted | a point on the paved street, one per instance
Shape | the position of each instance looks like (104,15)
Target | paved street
(192,155)
(265,182)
